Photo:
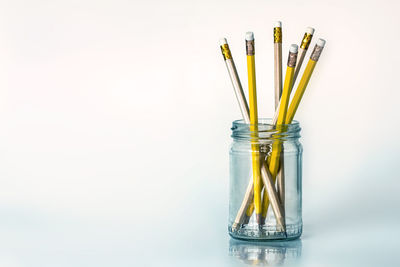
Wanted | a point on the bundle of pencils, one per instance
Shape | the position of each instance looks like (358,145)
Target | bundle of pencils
(269,174)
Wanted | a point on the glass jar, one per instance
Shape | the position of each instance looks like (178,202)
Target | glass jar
(267,142)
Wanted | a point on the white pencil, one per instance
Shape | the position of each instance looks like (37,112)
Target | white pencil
(305,43)
(278,61)
(265,175)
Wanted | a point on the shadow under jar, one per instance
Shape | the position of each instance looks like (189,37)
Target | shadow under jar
(243,222)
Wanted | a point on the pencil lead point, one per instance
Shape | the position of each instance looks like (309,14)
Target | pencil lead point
(262,220)
(246,219)
(236,226)
(259,219)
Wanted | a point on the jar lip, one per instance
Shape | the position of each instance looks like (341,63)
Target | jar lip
(265,130)
(264,122)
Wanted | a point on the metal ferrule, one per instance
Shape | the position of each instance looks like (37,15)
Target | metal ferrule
(316,53)
(250,50)
(277,35)
(292,60)
(226,52)
(305,43)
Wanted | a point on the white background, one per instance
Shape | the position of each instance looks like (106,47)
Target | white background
(115,129)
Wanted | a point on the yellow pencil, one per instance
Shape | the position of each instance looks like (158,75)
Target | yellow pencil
(250,51)
(291,111)
(276,146)
(304,80)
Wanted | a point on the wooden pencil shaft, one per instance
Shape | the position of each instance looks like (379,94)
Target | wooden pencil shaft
(275,118)
(280,177)
(276,205)
(280,183)
(277,63)
(300,59)
(250,51)
(257,181)
(244,108)
(304,81)
(277,72)
(250,208)
(237,86)
(292,58)
(300,91)
(277,75)
(241,214)
(277,145)
(305,43)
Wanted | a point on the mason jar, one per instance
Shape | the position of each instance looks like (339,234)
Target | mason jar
(252,154)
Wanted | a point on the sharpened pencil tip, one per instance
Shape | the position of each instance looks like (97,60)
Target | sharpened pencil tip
(259,219)
(277,24)
(321,42)
(223,41)
(310,30)
(236,226)
(249,36)
(262,220)
(246,219)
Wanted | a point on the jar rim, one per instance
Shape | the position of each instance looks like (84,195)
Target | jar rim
(265,130)
(264,122)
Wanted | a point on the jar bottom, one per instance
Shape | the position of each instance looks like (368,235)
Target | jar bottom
(265,233)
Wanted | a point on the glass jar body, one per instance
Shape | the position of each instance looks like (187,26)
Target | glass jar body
(242,154)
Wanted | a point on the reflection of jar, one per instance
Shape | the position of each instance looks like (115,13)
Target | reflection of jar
(266,254)
(248,145)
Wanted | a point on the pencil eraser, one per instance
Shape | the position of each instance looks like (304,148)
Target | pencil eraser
(278,24)
(310,30)
(249,36)
(321,42)
(293,48)
(223,41)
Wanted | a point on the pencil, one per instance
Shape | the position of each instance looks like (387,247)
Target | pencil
(300,57)
(251,72)
(242,215)
(276,146)
(233,74)
(280,183)
(281,173)
(247,207)
(304,80)
(305,43)
(277,61)
(303,84)
(271,194)
(280,178)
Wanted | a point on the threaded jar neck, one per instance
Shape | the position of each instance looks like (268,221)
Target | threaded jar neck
(266,131)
